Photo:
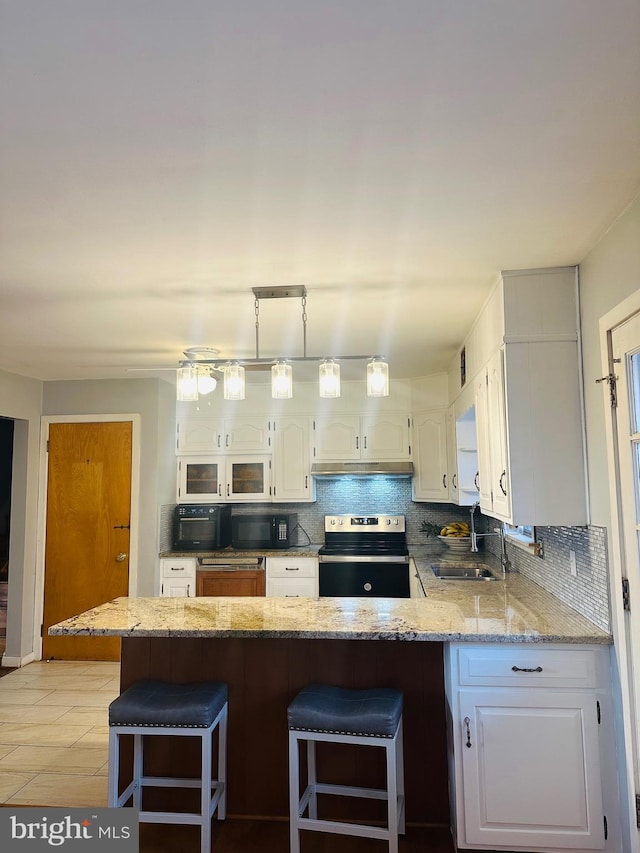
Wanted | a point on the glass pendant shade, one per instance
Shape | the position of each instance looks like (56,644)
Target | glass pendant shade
(329,378)
(281,381)
(206,382)
(187,384)
(377,378)
(233,382)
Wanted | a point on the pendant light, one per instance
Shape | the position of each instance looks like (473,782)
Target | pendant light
(281,381)
(206,382)
(377,378)
(187,384)
(233,381)
(196,374)
(329,378)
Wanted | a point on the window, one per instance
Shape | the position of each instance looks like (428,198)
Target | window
(523,535)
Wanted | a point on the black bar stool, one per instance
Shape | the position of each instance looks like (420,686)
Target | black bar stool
(321,712)
(159,708)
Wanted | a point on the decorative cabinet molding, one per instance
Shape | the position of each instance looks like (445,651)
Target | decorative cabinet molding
(214,435)
(534,712)
(346,438)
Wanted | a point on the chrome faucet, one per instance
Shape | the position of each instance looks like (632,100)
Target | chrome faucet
(498,531)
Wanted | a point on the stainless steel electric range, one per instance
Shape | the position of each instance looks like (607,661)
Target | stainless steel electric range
(364,555)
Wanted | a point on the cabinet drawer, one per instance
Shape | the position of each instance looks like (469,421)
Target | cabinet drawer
(527,666)
(292,567)
(178,568)
(291,588)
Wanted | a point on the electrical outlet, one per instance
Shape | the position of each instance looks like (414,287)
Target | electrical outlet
(572,564)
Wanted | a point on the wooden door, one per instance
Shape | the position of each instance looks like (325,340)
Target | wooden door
(87,530)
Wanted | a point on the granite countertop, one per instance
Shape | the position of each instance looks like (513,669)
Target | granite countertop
(511,610)
(296,551)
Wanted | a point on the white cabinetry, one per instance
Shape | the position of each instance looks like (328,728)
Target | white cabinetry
(344,438)
(493,457)
(292,460)
(213,435)
(292,577)
(462,457)
(203,479)
(177,577)
(430,478)
(524,756)
(528,402)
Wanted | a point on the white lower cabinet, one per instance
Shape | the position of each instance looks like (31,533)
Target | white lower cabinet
(177,577)
(292,577)
(526,738)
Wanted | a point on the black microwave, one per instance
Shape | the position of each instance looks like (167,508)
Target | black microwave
(201,527)
(267,530)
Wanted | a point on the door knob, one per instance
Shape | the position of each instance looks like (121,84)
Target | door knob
(121,557)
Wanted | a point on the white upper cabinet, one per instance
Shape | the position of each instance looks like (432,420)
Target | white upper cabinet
(292,460)
(212,435)
(430,477)
(206,479)
(528,406)
(344,438)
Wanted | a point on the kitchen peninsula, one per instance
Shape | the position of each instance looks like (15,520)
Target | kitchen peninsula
(267,649)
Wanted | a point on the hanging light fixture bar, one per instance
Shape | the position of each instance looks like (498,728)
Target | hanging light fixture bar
(281,372)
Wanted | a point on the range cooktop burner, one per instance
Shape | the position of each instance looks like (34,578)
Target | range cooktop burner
(364,534)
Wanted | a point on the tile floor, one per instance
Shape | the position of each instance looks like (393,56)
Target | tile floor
(54,733)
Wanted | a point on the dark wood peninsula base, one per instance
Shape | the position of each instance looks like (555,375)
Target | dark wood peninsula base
(263,677)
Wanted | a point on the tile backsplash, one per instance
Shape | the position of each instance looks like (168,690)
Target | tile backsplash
(588,592)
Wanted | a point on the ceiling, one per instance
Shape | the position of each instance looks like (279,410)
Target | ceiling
(159,158)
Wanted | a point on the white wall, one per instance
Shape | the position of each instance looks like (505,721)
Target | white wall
(21,400)
(609,273)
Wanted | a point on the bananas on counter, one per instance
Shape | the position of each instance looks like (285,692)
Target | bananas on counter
(457,529)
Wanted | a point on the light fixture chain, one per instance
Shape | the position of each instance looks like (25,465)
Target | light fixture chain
(257,312)
(304,324)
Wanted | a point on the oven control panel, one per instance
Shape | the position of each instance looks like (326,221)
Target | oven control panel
(370,523)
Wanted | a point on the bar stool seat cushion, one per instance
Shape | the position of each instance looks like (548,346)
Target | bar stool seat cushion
(337,710)
(158,703)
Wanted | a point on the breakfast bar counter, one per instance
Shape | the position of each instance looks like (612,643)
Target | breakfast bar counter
(511,610)
(267,649)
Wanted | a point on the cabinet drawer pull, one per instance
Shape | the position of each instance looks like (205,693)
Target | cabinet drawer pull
(466,723)
(454,481)
(524,669)
(292,568)
(177,568)
(502,488)
(475,481)
(444,481)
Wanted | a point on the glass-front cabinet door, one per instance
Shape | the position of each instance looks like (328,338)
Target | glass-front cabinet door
(248,478)
(201,479)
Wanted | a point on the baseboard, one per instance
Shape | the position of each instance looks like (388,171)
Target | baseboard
(13,662)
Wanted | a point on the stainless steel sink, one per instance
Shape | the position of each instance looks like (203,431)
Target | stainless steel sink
(463,573)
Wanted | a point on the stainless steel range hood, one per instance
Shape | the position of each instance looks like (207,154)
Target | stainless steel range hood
(361,469)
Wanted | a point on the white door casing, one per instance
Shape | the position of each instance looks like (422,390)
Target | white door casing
(620,348)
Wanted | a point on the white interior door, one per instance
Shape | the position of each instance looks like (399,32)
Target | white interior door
(625,365)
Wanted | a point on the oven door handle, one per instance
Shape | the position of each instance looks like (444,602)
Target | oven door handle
(363,558)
